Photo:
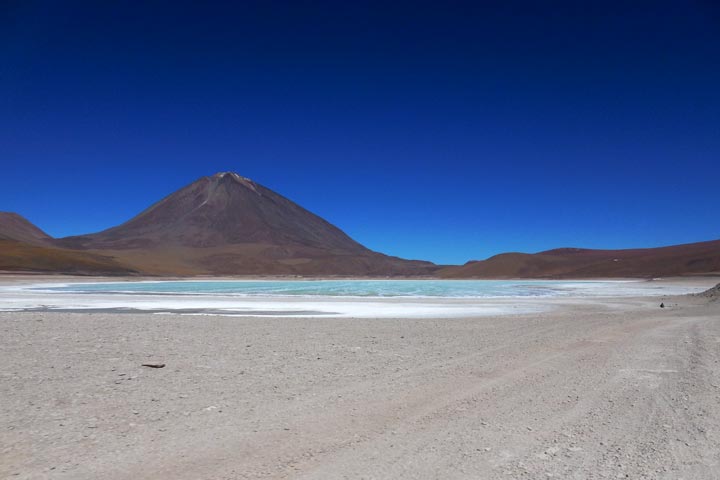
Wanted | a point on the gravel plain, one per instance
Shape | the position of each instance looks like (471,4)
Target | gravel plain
(602,389)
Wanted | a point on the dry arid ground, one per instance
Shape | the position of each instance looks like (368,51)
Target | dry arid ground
(610,389)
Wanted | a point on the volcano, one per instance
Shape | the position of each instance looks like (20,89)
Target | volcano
(229,224)
(221,210)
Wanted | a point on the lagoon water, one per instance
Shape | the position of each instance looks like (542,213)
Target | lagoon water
(358,288)
(338,298)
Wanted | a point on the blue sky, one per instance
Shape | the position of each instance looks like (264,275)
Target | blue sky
(445,131)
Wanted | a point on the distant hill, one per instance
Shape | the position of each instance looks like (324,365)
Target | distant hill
(18,228)
(693,258)
(26,248)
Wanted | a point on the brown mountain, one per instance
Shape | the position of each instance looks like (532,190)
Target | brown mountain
(228,224)
(693,258)
(24,257)
(24,247)
(225,209)
(713,294)
(18,228)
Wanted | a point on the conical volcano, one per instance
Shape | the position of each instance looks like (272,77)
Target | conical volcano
(221,210)
(228,224)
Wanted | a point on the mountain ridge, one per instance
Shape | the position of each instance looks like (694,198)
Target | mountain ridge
(15,227)
(227,224)
(571,262)
(26,248)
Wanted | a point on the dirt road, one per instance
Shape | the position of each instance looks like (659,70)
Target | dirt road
(586,392)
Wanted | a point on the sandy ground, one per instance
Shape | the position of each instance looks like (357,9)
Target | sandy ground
(586,391)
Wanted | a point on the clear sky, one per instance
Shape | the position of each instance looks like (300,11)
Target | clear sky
(444,130)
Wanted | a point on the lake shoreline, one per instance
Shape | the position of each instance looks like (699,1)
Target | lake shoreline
(348,299)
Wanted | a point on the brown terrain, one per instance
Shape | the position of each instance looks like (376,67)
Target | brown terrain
(26,248)
(688,259)
(226,224)
(17,228)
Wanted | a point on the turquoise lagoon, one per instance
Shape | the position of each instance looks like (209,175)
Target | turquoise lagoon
(352,288)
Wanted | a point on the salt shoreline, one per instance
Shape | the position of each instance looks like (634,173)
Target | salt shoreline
(23,296)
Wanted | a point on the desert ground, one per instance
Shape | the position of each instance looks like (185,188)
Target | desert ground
(604,388)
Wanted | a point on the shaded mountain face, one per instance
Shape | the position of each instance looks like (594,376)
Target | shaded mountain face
(693,258)
(221,210)
(18,228)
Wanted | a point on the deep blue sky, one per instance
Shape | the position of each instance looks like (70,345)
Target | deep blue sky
(437,130)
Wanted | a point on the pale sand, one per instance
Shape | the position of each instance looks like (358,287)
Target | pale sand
(599,388)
